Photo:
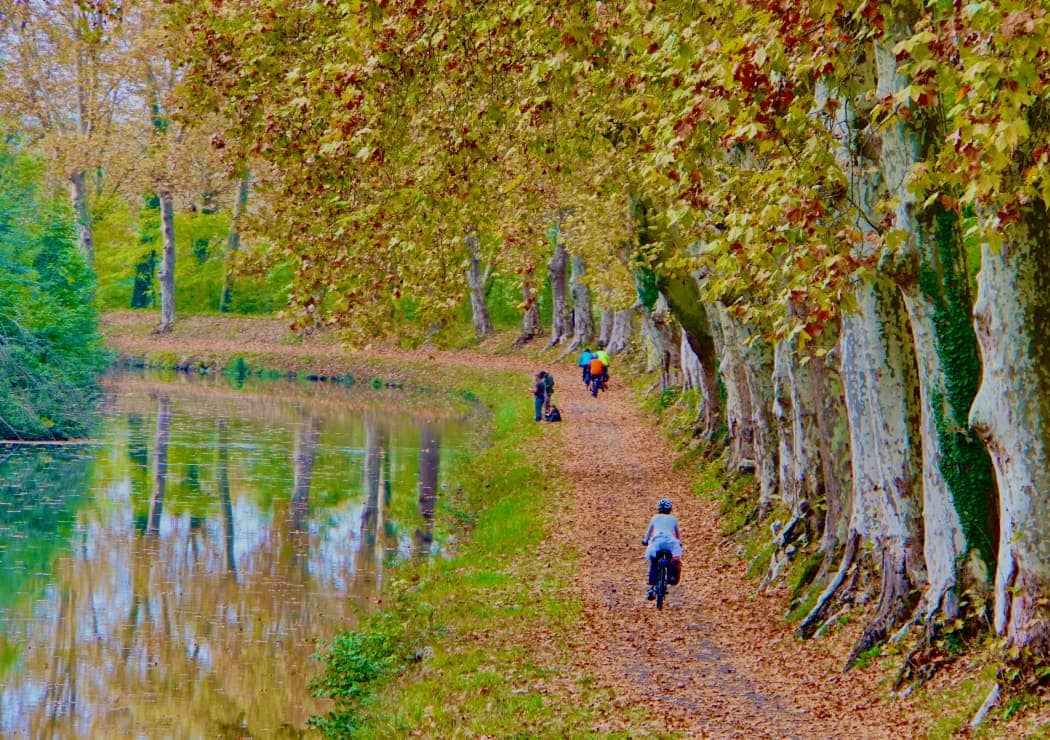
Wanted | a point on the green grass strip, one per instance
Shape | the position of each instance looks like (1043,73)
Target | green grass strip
(482,641)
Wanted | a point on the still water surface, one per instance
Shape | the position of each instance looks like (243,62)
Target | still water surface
(173,578)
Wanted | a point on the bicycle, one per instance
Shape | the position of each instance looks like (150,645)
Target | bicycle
(663,576)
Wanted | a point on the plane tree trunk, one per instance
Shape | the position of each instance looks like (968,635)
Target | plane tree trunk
(477,277)
(82,217)
(233,241)
(1012,414)
(582,310)
(931,273)
(561,313)
(166,273)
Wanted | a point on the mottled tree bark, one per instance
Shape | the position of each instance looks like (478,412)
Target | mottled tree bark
(931,272)
(233,242)
(879,375)
(1012,414)
(621,332)
(166,273)
(663,343)
(833,425)
(696,377)
(733,367)
(82,217)
(582,311)
(530,320)
(605,326)
(881,390)
(561,314)
(477,277)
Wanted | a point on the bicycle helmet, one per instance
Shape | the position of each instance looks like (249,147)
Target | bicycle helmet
(664,506)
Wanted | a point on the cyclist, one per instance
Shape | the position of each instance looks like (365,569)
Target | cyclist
(602,355)
(585,364)
(663,535)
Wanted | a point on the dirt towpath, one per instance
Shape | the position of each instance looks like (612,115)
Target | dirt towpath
(717,661)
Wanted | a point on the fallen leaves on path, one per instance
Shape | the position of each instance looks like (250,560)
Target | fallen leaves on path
(717,660)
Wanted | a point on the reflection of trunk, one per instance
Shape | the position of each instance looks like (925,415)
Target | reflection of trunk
(367,554)
(303,468)
(160,464)
(582,316)
(561,316)
(166,274)
(1012,414)
(429,460)
(225,503)
(233,242)
(82,216)
(476,279)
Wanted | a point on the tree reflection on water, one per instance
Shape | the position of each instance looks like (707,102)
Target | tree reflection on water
(174,579)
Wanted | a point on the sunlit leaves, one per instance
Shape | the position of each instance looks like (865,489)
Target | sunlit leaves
(398,127)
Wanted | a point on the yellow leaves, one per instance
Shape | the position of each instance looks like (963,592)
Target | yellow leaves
(908,45)
(1013,132)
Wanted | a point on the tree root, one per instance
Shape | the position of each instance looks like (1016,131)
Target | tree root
(809,624)
(783,538)
(989,703)
(896,603)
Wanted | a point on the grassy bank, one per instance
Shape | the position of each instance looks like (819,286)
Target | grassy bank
(481,641)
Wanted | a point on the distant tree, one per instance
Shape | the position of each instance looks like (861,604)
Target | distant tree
(51,353)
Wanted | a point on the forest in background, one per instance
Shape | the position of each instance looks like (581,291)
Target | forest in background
(826,221)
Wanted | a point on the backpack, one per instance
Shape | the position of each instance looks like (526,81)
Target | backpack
(549,383)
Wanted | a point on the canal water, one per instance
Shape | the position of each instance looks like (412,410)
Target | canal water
(172,577)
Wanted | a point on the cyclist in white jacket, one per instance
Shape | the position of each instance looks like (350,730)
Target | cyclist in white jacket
(662,534)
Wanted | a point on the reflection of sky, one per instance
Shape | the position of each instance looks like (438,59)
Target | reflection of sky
(141,634)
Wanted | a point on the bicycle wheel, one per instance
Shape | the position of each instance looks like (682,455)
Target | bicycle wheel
(661,581)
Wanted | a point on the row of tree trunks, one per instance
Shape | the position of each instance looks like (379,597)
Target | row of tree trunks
(870,446)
